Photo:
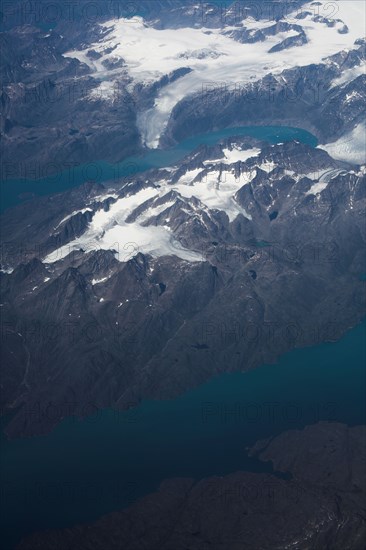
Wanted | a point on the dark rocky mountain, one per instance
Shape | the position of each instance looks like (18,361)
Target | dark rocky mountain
(49,115)
(318,504)
(149,287)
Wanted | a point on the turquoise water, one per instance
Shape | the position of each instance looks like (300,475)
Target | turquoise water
(84,469)
(13,189)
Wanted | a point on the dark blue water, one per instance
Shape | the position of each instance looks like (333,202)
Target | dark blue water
(84,469)
(34,179)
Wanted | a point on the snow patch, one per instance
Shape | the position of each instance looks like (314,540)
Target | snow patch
(348,75)
(351,147)
(72,215)
(217,190)
(190,175)
(109,231)
(99,281)
(236,154)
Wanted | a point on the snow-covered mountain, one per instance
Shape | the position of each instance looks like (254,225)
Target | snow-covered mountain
(146,286)
(230,55)
(108,86)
